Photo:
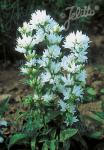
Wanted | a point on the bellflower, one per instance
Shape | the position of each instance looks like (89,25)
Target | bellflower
(57,80)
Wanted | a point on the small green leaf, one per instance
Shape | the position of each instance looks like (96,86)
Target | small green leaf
(52,144)
(96,135)
(100,114)
(91,91)
(45,146)
(102,91)
(97,118)
(16,138)
(33,142)
(66,134)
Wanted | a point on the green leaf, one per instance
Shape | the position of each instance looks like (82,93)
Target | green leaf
(91,91)
(66,134)
(52,144)
(102,91)
(100,114)
(97,118)
(51,116)
(45,146)
(96,135)
(66,145)
(16,138)
(33,143)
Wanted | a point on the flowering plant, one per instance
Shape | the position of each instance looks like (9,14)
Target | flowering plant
(57,79)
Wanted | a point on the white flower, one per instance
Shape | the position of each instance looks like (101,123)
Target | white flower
(25,29)
(81,56)
(25,41)
(68,80)
(55,67)
(20,49)
(45,77)
(24,70)
(72,109)
(82,76)
(31,63)
(72,39)
(74,68)
(53,27)
(77,91)
(54,38)
(39,17)
(48,97)
(1,139)
(52,51)
(67,93)
(63,105)
(64,63)
(3,123)
(36,97)
(39,36)
(43,62)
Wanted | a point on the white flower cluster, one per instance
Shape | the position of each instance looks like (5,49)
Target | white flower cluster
(55,78)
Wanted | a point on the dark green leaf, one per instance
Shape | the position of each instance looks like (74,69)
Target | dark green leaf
(96,118)
(33,142)
(66,134)
(102,91)
(16,138)
(96,134)
(91,91)
(53,145)
(45,146)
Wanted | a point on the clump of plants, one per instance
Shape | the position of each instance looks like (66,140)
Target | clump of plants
(57,81)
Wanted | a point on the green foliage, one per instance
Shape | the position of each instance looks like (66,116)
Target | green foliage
(96,134)
(98,118)
(90,94)
(3,107)
(91,91)
(102,91)
(16,138)
(66,134)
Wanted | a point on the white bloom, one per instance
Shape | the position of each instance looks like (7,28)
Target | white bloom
(48,97)
(72,39)
(24,70)
(64,63)
(77,91)
(53,26)
(20,49)
(31,63)
(52,51)
(81,56)
(25,29)
(82,76)
(1,139)
(25,41)
(54,38)
(39,36)
(55,67)
(36,97)
(45,77)
(74,68)
(3,123)
(39,17)
(72,108)
(68,80)
(67,93)
(63,105)
(43,62)
(74,119)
